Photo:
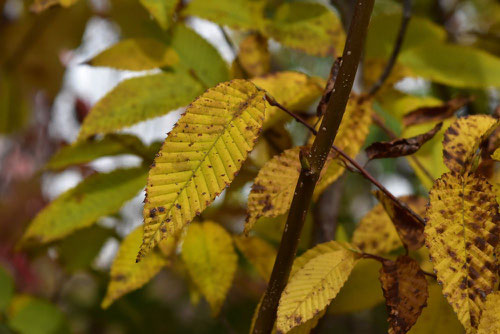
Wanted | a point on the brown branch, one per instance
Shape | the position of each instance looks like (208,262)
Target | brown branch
(397,47)
(312,163)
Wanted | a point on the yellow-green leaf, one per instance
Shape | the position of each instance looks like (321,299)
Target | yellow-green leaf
(162,10)
(211,261)
(200,157)
(239,14)
(138,99)
(312,287)
(496,154)
(96,196)
(259,253)
(490,321)
(308,27)
(136,54)
(41,5)
(86,151)
(453,65)
(399,104)
(461,233)
(462,139)
(254,55)
(127,275)
(294,90)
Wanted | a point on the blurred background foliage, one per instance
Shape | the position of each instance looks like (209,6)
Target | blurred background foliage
(50,78)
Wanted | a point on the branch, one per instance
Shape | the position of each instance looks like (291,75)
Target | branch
(312,163)
(397,47)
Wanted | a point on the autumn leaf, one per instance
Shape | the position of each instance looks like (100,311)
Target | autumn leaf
(400,147)
(405,291)
(127,275)
(200,157)
(410,225)
(462,139)
(254,55)
(161,10)
(461,233)
(496,155)
(138,99)
(312,287)
(96,196)
(211,261)
(259,253)
(490,321)
(435,113)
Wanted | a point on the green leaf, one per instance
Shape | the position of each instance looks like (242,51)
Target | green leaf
(6,288)
(86,151)
(137,99)
(197,55)
(162,10)
(136,54)
(96,196)
(239,14)
(309,27)
(454,65)
(28,315)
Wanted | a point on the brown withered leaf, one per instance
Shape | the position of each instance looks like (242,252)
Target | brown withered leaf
(437,113)
(321,109)
(400,147)
(410,225)
(405,292)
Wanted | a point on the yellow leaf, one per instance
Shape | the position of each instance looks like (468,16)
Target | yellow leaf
(136,54)
(127,275)
(490,321)
(312,287)
(138,99)
(358,115)
(461,233)
(254,55)
(200,157)
(496,154)
(462,139)
(259,253)
(211,261)
(438,316)
(162,10)
(96,196)
(273,188)
(295,91)
(308,27)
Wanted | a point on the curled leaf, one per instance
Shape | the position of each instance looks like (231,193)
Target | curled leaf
(435,113)
(405,291)
(400,147)
(462,231)
(200,157)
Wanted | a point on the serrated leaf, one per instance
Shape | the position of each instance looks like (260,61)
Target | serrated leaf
(490,321)
(308,27)
(438,316)
(211,261)
(312,287)
(200,157)
(294,90)
(96,196)
(376,233)
(127,275)
(405,291)
(462,139)
(259,253)
(453,65)
(198,56)
(138,99)
(136,54)
(238,14)
(461,233)
(86,151)
(409,224)
(358,115)
(254,55)
(161,10)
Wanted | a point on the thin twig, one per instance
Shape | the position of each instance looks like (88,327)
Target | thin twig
(407,4)
(275,103)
